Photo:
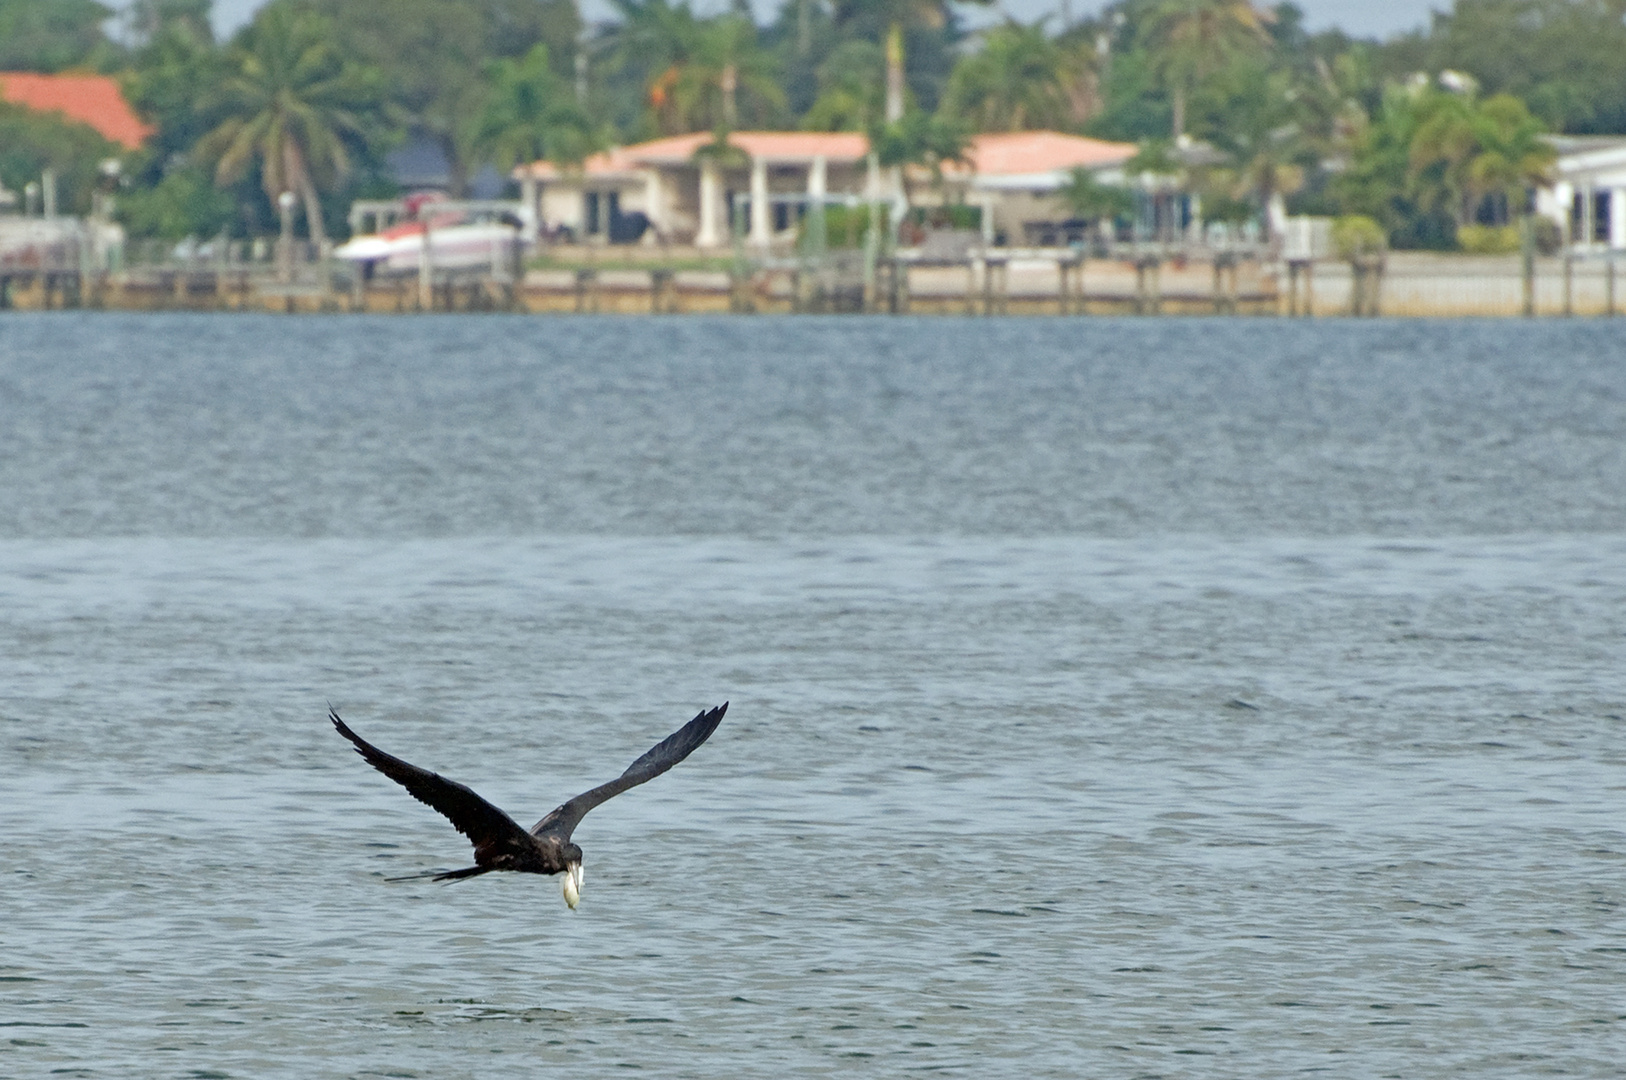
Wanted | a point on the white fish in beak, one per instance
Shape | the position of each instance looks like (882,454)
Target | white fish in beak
(573,885)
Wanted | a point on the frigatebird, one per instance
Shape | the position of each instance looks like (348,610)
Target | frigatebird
(499,843)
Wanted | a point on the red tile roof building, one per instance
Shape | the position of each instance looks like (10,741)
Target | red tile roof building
(93,100)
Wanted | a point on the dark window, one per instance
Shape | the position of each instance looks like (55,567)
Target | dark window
(594,223)
(1600,216)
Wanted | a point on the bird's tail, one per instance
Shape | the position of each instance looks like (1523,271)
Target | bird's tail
(450,875)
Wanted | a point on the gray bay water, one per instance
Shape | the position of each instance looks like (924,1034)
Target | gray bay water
(1109,698)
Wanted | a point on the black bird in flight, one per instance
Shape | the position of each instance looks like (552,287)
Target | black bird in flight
(499,843)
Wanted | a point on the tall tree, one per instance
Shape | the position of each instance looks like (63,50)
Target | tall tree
(1442,148)
(49,35)
(532,114)
(698,74)
(925,29)
(433,54)
(31,142)
(1513,155)
(151,18)
(294,106)
(174,82)
(646,51)
(1431,159)
(1017,81)
(1465,150)
(1189,40)
(1562,57)
(851,89)
(1255,116)
(725,68)
(1377,182)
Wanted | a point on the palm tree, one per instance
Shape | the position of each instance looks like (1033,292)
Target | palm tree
(1189,40)
(532,113)
(433,54)
(886,21)
(850,84)
(150,18)
(293,104)
(1088,197)
(1513,157)
(696,70)
(1464,150)
(727,62)
(1017,82)
(650,45)
(1256,118)
(918,138)
(1441,152)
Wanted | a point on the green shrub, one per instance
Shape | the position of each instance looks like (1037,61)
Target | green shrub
(952,216)
(847,226)
(1489,239)
(184,203)
(31,142)
(1356,235)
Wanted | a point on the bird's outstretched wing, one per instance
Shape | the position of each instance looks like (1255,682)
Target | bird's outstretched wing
(487,827)
(660,757)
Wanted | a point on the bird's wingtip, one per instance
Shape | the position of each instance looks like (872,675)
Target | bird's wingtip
(341,727)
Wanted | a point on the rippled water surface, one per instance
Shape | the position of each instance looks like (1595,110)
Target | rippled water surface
(1109,698)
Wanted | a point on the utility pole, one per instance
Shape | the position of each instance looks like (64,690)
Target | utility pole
(894,73)
(285,256)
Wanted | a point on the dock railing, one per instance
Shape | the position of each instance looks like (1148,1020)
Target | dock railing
(948,273)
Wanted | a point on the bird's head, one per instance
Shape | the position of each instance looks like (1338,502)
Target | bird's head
(573,875)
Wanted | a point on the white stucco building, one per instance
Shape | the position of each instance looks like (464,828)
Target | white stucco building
(688,194)
(1588,195)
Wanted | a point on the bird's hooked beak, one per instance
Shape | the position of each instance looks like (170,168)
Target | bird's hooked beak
(573,884)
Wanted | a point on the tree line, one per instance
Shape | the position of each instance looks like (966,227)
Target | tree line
(1437,135)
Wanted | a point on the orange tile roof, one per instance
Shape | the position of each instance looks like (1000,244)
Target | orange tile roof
(789,147)
(674,149)
(614,161)
(1014,153)
(802,145)
(95,100)
(772,146)
(1018,153)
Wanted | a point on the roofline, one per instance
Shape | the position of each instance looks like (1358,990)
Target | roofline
(678,151)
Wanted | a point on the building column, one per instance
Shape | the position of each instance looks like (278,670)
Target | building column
(531,216)
(711,194)
(818,179)
(1617,218)
(761,224)
(654,202)
(1563,206)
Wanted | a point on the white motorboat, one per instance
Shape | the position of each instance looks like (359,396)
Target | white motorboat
(454,243)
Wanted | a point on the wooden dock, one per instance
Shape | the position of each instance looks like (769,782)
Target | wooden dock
(996,282)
